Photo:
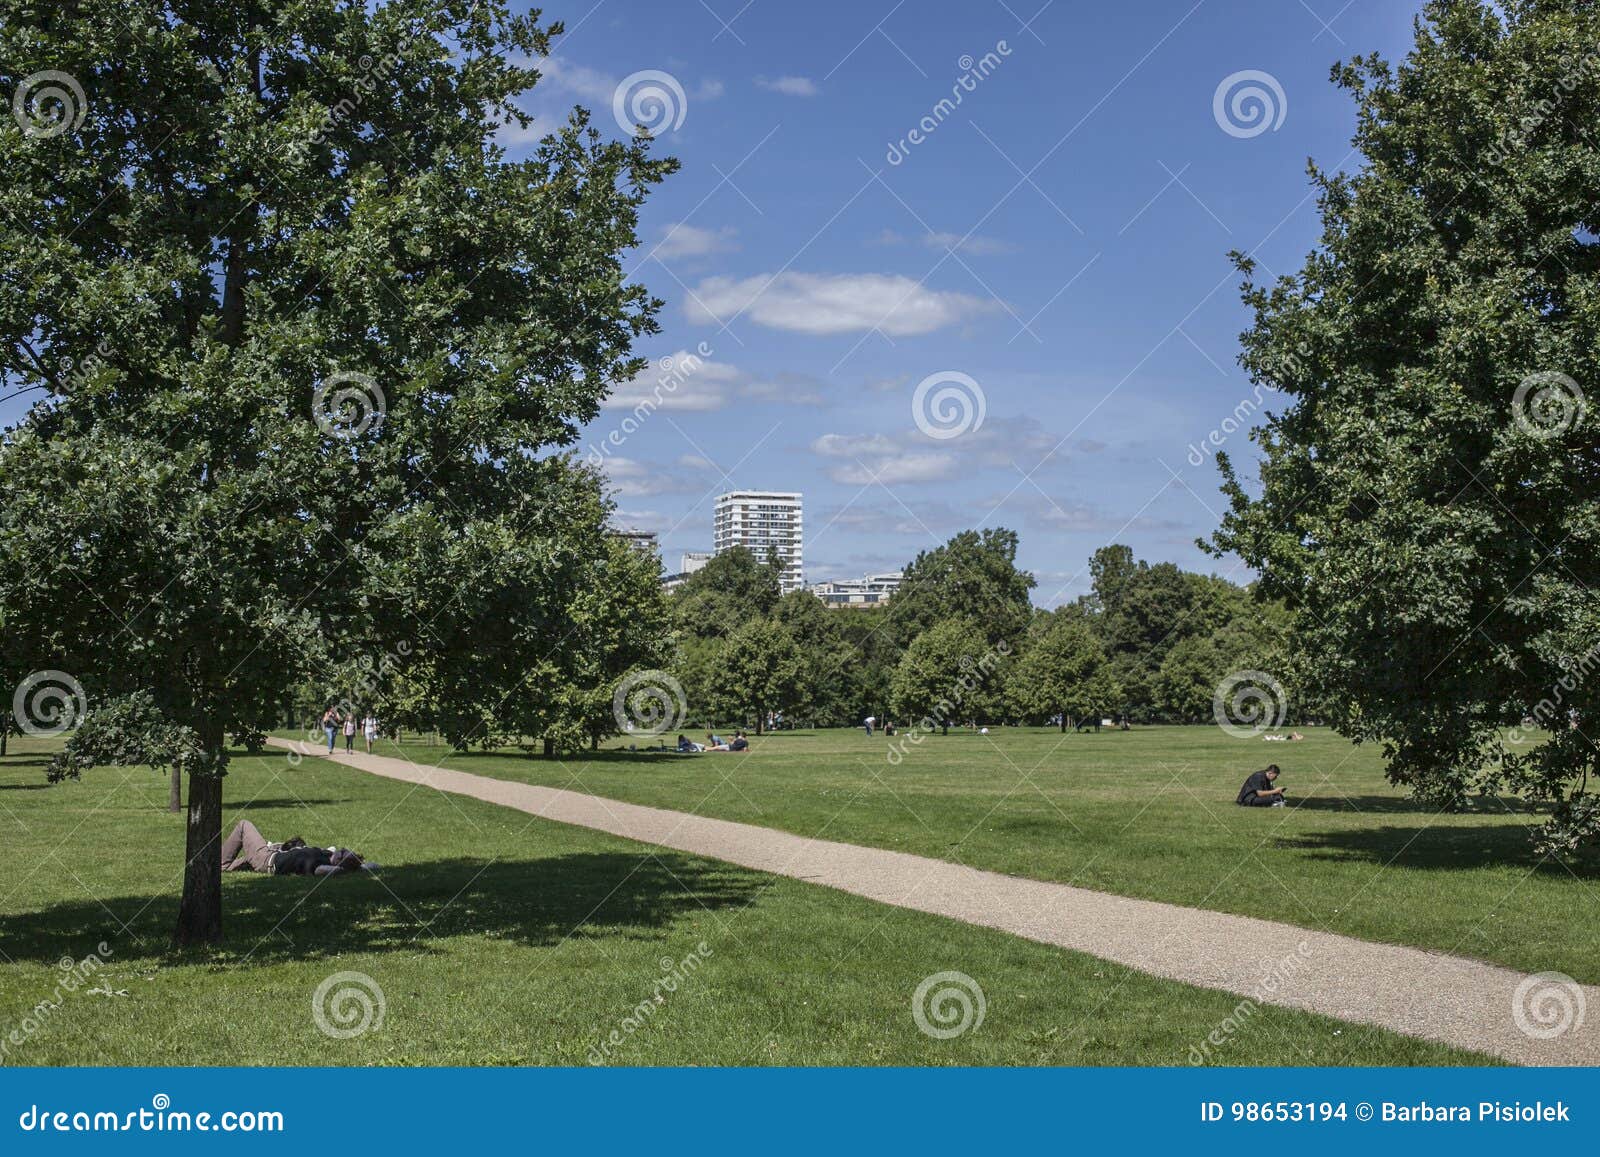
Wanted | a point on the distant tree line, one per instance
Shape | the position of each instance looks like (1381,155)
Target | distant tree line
(962,642)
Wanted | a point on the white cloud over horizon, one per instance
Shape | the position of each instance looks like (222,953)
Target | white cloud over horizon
(788,85)
(833,303)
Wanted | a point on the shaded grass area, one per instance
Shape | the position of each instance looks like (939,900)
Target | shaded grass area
(1145,813)
(498,938)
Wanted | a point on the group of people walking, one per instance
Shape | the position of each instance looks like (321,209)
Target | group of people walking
(336,722)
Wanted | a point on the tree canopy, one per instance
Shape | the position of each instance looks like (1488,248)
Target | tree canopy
(302,332)
(1428,502)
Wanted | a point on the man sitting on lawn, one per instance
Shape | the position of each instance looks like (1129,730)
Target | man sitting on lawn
(1258,790)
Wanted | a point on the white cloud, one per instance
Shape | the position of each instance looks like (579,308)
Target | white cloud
(789,85)
(696,462)
(690,383)
(596,87)
(868,458)
(823,303)
(972,245)
(580,80)
(683,240)
(911,457)
(914,518)
(683,381)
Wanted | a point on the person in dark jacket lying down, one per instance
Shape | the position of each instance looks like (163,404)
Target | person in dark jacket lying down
(246,850)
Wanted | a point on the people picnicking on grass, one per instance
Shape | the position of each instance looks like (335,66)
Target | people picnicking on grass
(247,850)
(1258,790)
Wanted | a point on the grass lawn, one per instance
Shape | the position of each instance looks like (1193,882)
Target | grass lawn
(1145,813)
(497,938)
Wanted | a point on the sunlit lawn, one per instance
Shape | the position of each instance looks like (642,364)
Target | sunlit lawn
(497,938)
(1148,813)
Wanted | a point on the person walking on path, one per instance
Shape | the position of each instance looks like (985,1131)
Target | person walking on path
(350,732)
(369,730)
(330,725)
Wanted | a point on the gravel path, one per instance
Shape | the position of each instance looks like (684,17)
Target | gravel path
(1459,1002)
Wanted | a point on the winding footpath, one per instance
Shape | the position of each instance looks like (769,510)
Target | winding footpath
(1459,1002)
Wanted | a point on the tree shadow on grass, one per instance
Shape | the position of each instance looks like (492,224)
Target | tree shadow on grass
(1391,805)
(535,903)
(1439,848)
(24,786)
(268,804)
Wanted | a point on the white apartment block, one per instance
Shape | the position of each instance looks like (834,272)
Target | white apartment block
(764,522)
(871,591)
(693,560)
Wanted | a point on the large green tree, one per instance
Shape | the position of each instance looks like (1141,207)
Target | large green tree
(973,576)
(758,670)
(302,330)
(950,673)
(1064,670)
(1430,497)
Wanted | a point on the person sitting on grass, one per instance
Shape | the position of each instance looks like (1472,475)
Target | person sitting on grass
(1258,790)
(246,850)
(740,743)
(686,744)
(715,742)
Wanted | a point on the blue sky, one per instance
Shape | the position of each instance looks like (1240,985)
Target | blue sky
(1059,238)
(1050,249)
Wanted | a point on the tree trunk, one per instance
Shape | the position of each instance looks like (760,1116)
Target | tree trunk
(758,721)
(549,747)
(200,911)
(594,741)
(175,795)
(5,731)
(1063,723)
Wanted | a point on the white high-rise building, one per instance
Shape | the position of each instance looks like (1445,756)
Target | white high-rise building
(764,521)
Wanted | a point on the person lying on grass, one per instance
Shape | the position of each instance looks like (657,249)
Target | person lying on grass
(1258,790)
(245,850)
